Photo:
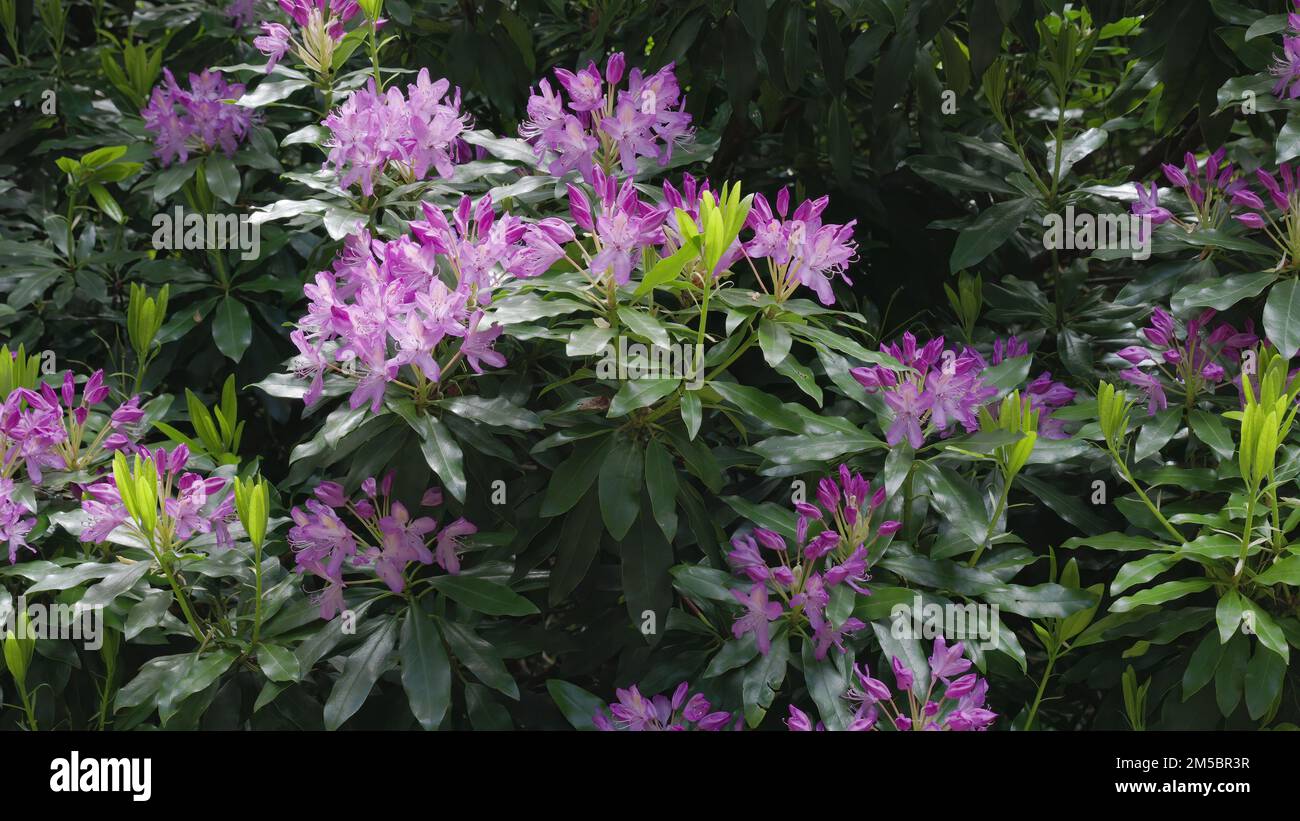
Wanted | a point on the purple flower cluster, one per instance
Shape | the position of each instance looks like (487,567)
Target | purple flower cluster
(411,133)
(800,249)
(591,120)
(1286,68)
(196,120)
(388,539)
(242,12)
(189,504)
(683,711)
(385,305)
(320,27)
(1192,361)
(15,521)
(959,708)
(45,429)
(622,226)
(839,552)
(944,388)
(1213,190)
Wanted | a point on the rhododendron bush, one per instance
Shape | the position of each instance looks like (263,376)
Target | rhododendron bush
(727,366)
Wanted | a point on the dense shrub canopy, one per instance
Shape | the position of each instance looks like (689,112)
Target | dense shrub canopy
(871,365)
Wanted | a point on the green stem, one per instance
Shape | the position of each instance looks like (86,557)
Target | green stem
(257,604)
(993,522)
(1128,477)
(1245,537)
(1042,687)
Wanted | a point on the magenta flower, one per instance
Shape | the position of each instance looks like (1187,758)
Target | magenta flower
(326,546)
(1148,205)
(1286,69)
(409,134)
(274,42)
(909,406)
(189,504)
(1193,361)
(200,119)
(591,124)
(800,250)
(682,711)
(758,612)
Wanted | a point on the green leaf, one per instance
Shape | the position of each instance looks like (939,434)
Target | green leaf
(762,679)
(1141,571)
(1156,432)
(1264,675)
(1201,667)
(498,412)
(1209,428)
(620,486)
(647,558)
(480,658)
(644,326)
(232,329)
(827,682)
(442,453)
(579,541)
(634,394)
(774,340)
(1282,317)
(1283,571)
(988,232)
(578,706)
(1160,594)
(222,177)
(484,596)
(575,475)
(360,672)
(692,413)
(1228,613)
(1230,677)
(1220,293)
(426,670)
(106,202)
(665,270)
(957,501)
(278,663)
(661,482)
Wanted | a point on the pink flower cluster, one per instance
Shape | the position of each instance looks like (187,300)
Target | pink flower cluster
(600,123)
(1191,361)
(800,248)
(413,132)
(944,388)
(386,305)
(634,712)
(959,708)
(1213,189)
(321,26)
(189,504)
(15,519)
(621,225)
(839,552)
(1286,68)
(45,429)
(199,119)
(387,538)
